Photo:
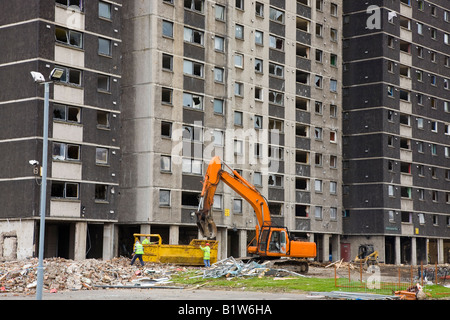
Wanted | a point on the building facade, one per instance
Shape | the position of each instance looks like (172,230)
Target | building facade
(83,39)
(255,82)
(396,129)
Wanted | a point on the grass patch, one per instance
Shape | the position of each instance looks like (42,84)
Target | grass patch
(194,278)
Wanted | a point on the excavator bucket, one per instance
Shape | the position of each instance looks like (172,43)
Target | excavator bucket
(206,225)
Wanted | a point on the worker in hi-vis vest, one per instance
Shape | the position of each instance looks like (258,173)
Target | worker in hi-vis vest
(138,252)
(206,255)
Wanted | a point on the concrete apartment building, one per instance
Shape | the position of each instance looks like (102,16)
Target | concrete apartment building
(338,111)
(396,122)
(257,83)
(83,38)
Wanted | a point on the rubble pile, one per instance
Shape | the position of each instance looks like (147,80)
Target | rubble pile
(62,274)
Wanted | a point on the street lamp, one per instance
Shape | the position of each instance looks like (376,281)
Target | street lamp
(56,74)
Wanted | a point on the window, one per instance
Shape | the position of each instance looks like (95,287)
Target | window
(276,125)
(104,10)
(167,62)
(66,113)
(69,37)
(391,190)
(334,9)
(103,83)
(318,81)
(258,150)
(275,180)
(333,187)
(65,152)
(434,126)
(217,202)
(193,36)
(101,192)
(101,155)
(192,166)
(391,216)
(433,33)
(318,212)
(258,93)
(406,217)
(333,85)
(193,68)
(218,74)
(218,137)
(276,98)
(333,34)
(164,198)
(167,29)
(64,190)
(238,118)
(319,30)
(219,43)
(259,37)
(259,9)
(219,106)
(318,107)
(275,152)
(434,149)
(166,164)
(419,28)
(237,206)
(276,70)
(104,47)
(318,160)
(220,12)
(319,5)
(70,76)
(333,60)
(258,65)
(192,101)
(276,15)
(166,96)
(258,122)
(257,178)
(239,31)
(333,162)
(166,129)
(238,147)
(239,60)
(192,133)
(196,5)
(318,185)
(238,89)
(333,136)
(71,3)
(319,55)
(276,43)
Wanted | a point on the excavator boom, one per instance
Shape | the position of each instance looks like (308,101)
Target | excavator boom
(215,174)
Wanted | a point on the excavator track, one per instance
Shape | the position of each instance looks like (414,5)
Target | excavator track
(295,265)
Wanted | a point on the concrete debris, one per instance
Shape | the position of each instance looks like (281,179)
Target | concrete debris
(231,267)
(63,274)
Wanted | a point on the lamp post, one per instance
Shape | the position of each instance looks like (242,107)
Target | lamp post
(56,74)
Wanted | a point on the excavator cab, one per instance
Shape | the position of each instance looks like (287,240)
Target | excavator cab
(273,242)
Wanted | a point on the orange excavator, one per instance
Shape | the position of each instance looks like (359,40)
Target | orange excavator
(271,241)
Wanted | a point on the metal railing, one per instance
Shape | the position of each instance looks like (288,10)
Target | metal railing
(386,279)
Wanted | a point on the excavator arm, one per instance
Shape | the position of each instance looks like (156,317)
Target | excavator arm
(216,173)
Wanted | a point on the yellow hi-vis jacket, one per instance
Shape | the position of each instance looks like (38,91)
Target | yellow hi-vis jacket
(138,248)
(206,252)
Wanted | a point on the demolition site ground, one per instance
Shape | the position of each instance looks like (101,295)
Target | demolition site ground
(229,279)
